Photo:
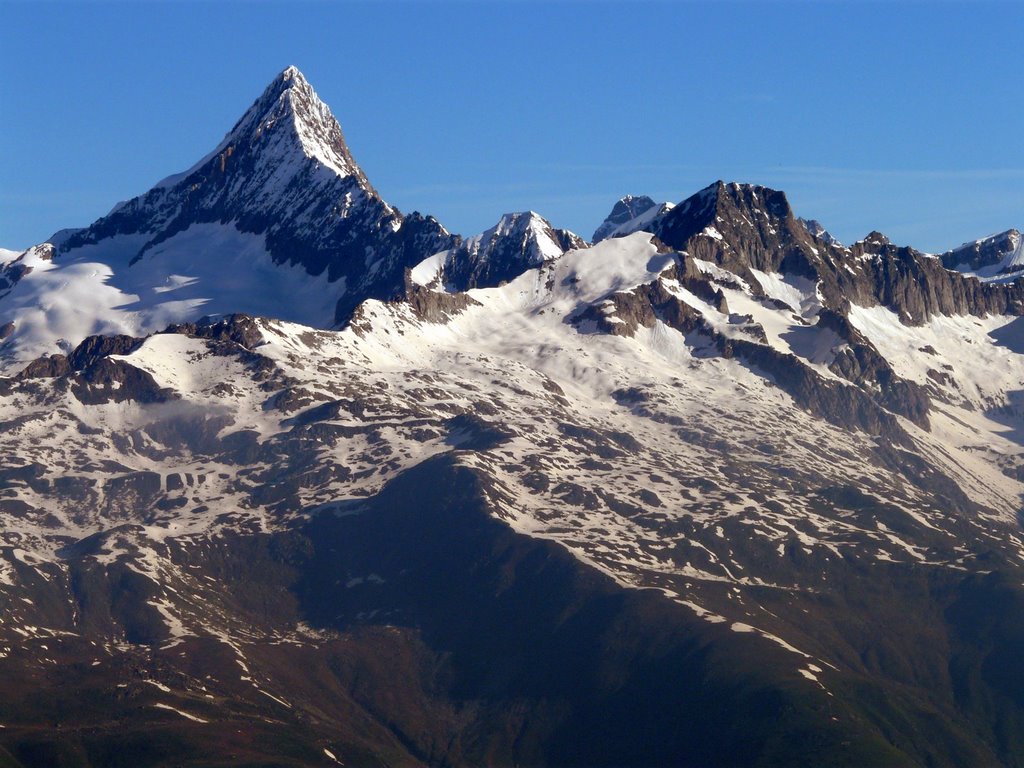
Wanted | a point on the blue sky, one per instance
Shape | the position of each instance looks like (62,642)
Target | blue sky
(902,117)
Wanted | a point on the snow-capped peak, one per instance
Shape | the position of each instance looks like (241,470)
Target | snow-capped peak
(287,116)
(534,227)
(278,210)
(318,131)
(518,241)
(816,229)
(988,257)
(625,210)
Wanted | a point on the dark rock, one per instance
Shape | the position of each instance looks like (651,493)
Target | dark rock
(754,227)
(95,347)
(116,381)
(470,432)
(435,306)
(520,241)
(262,181)
(242,330)
(987,252)
(626,209)
(862,364)
(46,368)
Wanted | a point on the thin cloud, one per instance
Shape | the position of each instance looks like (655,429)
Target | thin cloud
(965,174)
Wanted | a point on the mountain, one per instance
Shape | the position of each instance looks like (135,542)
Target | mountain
(626,209)
(516,243)
(992,257)
(748,229)
(628,215)
(277,220)
(819,232)
(713,491)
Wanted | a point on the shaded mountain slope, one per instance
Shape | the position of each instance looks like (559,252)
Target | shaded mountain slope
(716,490)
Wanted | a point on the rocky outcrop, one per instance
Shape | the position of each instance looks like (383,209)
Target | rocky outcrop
(625,210)
(917,286)
(739,226)
(93,348)
(435,306)
(742,227)
(818,231)
(239,329)
(99,379)
(992,251)
(13,271)
(843,405)
(861,364)
(623,312)
(115,381)
(518,242)
(45,368)
(867,404)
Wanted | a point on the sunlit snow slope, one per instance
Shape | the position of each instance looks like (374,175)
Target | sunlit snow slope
(281,462)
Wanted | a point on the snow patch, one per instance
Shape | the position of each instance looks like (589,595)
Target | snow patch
(183,714)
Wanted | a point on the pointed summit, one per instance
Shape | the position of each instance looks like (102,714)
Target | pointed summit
(282,171)
(625,210)
(817,230)
(753,213)
(278,160)
(290,104)
(279,209)
(518,242)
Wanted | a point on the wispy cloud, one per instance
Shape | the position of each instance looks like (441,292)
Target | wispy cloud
(837,173)
(917,174)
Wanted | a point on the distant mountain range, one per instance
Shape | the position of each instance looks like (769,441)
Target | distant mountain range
(293,478)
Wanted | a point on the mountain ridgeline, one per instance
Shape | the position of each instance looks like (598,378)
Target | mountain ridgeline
(292,478)
(283,172)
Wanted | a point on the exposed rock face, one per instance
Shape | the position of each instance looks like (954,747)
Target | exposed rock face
(740,227)
(94,377)
(917,286)
(284,172)
(434,306)
(818,232)
(626,209)
(1001,253)
(94,348)
(12,271)
(853,408)
(750,232)
(237,329)
(715,491)
(860,362)
(743,227)
(520,241)
(46,368)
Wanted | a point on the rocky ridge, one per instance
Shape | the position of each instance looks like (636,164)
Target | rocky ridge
(715,490)
(284,172)
(518,242)
(991,256)
(625,210)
